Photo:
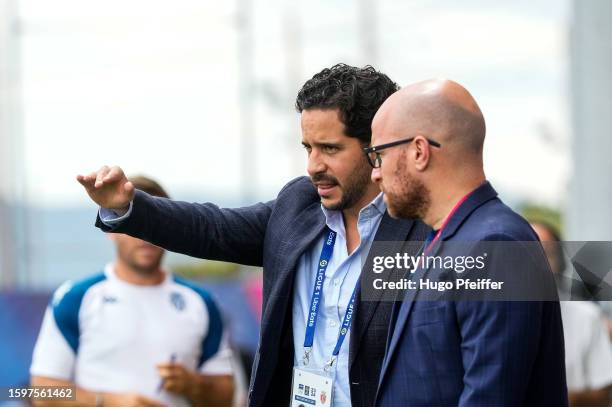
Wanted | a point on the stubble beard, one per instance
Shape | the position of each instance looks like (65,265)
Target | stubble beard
(353,189)
(411,199)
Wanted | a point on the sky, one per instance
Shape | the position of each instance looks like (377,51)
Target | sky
(157,87)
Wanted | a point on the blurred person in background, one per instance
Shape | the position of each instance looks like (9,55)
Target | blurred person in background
(588,357)
(606,307)
(310,241)
(134,335)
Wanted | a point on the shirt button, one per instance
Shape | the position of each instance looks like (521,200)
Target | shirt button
(336,281)
(332,323)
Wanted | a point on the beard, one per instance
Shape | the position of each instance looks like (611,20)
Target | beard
(410,199)
(353,189)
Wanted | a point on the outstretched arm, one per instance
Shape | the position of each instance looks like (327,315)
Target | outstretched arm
(198,230)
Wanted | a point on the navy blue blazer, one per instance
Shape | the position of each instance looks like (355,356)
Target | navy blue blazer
(273,235)
(476,353)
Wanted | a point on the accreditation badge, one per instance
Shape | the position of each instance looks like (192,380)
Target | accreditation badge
(311,389)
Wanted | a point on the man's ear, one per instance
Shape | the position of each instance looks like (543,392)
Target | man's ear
(421,153)
(112,237)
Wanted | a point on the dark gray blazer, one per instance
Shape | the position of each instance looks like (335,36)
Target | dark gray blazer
(272,235)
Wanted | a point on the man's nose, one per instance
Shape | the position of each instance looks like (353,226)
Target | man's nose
(316,164)
(376,176)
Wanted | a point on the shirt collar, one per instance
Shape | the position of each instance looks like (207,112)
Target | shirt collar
(379,203)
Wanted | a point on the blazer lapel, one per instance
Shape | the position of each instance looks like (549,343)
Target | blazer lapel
(401,320)
(304,229)
(394,232)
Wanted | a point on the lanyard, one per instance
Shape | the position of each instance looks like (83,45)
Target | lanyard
(315,301)
(430,243)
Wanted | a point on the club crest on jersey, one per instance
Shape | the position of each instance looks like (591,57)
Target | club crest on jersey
(178,301)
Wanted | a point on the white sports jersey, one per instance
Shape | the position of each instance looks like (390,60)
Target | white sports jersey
(107,335)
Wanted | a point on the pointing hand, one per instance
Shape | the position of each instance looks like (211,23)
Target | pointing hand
(109,188)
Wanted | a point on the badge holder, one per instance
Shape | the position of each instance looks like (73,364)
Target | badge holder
(312,387)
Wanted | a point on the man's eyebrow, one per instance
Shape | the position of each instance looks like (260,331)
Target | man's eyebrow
(328,144)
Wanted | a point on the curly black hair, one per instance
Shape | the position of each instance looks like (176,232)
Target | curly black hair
(356,92)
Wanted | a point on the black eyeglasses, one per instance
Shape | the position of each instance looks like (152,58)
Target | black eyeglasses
(373,153)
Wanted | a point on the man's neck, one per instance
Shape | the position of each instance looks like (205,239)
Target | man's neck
(445,199)
(126,273)
(350,217)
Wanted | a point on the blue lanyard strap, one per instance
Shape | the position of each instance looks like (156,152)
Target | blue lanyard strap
(346,322)
(317,291)
(315,301)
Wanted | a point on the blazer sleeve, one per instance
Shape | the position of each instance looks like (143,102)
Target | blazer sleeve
(198,230)
(505,343)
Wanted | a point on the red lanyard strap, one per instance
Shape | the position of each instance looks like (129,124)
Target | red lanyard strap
(448,218)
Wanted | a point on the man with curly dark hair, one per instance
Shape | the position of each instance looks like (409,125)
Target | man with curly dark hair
(310,241)
(341,101)
(356,93)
